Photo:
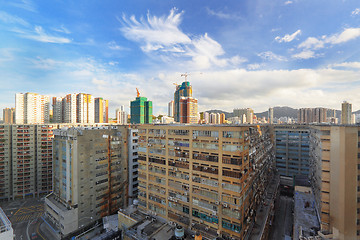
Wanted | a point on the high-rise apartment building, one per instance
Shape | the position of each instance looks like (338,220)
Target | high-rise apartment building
(90,176)
(222,118)
(69,105)
(292,150)
(58,111)
(346,111)
(171,108)
(121,115)
(183,90)
(271,115)
(101,110)
(5,162)
(141,110)
(246,115)
(32,108)
(335,178)
(9,115)
(209,179)
(312,115)
(85,108)
(188,110)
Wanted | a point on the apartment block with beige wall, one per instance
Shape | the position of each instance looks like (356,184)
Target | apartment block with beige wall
(207,178)
(334,154)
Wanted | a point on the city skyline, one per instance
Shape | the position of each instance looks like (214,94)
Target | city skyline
(251,54)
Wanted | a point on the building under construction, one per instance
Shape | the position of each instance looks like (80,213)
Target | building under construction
(90,176)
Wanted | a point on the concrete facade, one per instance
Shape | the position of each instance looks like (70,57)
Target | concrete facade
(292,150)
(90,176)
(209,179)
(334,154)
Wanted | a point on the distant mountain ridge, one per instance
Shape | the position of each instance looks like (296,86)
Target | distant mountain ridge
(278,112)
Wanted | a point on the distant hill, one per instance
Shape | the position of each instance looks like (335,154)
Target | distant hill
(227,114)
(280,112)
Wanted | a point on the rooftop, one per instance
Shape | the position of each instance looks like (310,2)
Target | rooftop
(305,218)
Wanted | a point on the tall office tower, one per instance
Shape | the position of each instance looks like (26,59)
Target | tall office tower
(133,168)
(312,115)
(9,115)
(171,108)
(188,110)
(141,110)
(121,115)
(69,108)
(5,162)
(212,118)
(32,108)
(183,90)
(209,179)
(58,115)
(90,177)
(334,155)
(101,110)
(292,150)
(346,111)
(246,115)
(85,108)
(271,115)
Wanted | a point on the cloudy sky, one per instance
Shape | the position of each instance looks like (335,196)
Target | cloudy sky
(248,53)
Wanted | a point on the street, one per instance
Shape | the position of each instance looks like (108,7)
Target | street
(283,220)
(25,217)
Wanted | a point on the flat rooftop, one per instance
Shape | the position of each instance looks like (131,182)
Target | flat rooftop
(305,218)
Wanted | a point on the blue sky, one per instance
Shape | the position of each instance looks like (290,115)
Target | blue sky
(248,53)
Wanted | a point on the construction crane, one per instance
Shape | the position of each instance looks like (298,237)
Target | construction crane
(138,93)
(185,75)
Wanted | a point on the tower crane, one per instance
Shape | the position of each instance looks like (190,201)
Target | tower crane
(138,93)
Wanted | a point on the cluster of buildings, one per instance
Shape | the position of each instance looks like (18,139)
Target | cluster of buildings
(33,108)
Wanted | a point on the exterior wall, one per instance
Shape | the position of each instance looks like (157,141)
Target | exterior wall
(188,110)
(90,172)
(206,178)
(335,179)
(32,108)
(292,150)
(9,115)
(346,111)
(133,140)
(5,162)
(183,90)
(23,160)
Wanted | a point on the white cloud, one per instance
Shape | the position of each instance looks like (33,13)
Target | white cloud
(355,65)
(62,29)
(269,56)
(288,2)
(113,46)
(347,35)
(10,19)
(222,15)
(287,37)
(162,37)
(306,54)
(155,33)
(355,12)
(41,36)
(24,4)
(312,43)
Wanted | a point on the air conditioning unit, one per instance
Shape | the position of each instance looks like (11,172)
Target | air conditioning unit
(201,221)
(149,163)
(192,224)
(217,203)
(205,168)
(206,229)
(225,205)
(213,169)
(216,138)
(185,193)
